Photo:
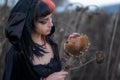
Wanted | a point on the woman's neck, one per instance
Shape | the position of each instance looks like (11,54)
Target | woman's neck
(37,38)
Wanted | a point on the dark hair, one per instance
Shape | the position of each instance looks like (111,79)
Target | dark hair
(42,10)
(39,9)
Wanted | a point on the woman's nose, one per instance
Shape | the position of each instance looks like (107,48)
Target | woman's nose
(50,22)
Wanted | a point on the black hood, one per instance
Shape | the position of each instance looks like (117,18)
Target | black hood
(17,19)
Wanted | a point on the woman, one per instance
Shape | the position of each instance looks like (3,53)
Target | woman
(33,54)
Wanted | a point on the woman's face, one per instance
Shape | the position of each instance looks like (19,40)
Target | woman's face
(43,26)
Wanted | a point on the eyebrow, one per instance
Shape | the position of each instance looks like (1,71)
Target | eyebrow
(44,19)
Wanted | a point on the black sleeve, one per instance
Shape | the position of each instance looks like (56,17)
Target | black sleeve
(8,64)
(18,67)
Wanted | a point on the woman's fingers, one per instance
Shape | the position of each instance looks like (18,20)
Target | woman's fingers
(63,72)
(57,75)
(73,35)
(62,75)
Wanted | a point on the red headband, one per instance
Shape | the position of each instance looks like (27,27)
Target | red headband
(50,4)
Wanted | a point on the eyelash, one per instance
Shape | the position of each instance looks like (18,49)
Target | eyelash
(44,21)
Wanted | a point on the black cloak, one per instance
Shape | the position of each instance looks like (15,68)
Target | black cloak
(18,65)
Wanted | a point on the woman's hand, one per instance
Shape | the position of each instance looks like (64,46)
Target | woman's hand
(73,35)
(57,75)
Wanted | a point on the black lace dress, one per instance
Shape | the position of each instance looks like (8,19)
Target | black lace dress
(47,69)
(54,65)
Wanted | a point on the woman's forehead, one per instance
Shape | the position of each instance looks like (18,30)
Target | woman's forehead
(45,18)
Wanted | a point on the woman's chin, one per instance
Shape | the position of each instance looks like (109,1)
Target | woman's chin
(47,33)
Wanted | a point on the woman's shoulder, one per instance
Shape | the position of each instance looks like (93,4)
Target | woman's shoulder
(12,51)
(14,55)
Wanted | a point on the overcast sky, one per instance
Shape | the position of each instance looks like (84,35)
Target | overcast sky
(97,2)
(84,2)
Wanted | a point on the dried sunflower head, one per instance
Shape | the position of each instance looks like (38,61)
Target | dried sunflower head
(77,46)
(99,57)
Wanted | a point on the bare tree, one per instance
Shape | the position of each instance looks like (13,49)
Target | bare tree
(6,1)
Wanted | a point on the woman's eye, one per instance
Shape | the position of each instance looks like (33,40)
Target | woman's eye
(42,22)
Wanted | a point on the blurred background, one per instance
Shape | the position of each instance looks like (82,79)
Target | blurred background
(98,19)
